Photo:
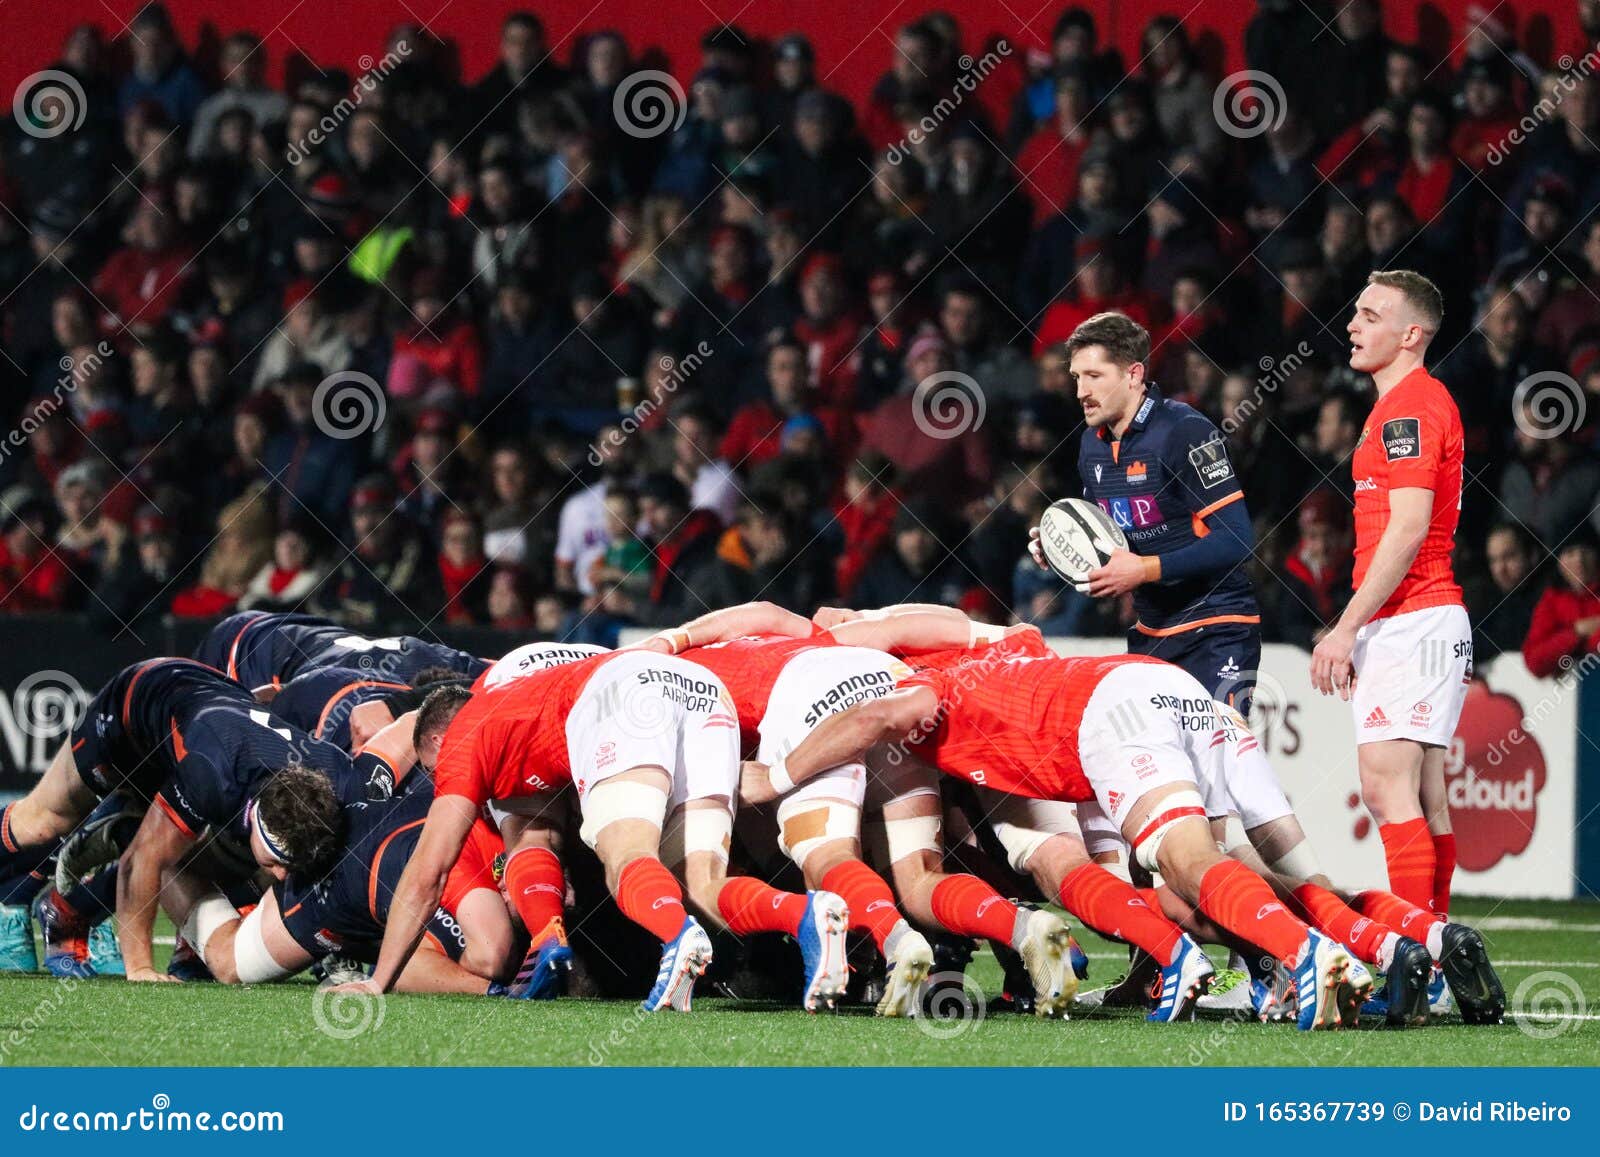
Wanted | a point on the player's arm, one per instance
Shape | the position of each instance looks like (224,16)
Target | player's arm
(1410,512)
(730,623)
(159,845)
(841,738)
(394,745)
(915,627)
(416,897)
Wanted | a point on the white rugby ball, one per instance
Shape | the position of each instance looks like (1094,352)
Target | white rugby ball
(1076,537)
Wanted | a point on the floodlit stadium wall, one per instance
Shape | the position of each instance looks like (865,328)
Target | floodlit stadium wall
(1524,776)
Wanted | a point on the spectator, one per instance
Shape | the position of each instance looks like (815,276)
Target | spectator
(312,469)
(1001,370)
(388,577)
(1051,154)
(309,334)
(949,461)
(755,434)
(243,65)
(32,577)
(1182,94)
(711,482)
(461,565)
(287,580)
(1501,604)
(625,566)
(143,281)
(684,543)
(130,595)
(763,557)
(1316,581)
(510,604)
(518,526)
(241,546)
(1550,483)
(915,566)
(1565,627)
(160,72)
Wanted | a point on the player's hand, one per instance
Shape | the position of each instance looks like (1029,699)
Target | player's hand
(1331,668)
(755,783)
(366,720)
(151,976)
(1035,549)
(367,987)
(1123,571)
(830,617)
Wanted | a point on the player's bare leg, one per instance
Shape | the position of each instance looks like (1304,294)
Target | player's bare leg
(52,809)
(965,905)
(487,927)
(1391,787)
(623,818)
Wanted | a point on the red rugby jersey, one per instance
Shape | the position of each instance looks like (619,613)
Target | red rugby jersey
(748,667)
(514,742)
(1012,723)
(1412,438)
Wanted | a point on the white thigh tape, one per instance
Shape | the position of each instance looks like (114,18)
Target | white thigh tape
(1233,833)
(1170,812)
(804,825)
(907,837)
(251,960)
(1299,861)
(205,918)
(1019,842)
(614,800)
(691,830)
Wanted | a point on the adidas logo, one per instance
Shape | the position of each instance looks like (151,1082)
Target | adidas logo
(1377,718)
(1114,798)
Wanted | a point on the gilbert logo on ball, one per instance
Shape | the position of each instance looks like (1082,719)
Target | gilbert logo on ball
(1076,537)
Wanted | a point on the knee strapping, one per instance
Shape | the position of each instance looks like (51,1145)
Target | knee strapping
(611,801)
(805,825)
(1169,814)
(251,959)
(690,830)
(211,913)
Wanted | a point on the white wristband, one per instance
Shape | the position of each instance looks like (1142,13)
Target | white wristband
(778,773)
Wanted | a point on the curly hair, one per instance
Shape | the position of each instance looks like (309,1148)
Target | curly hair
(302,810)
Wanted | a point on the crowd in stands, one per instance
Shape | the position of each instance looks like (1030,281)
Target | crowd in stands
(412,349)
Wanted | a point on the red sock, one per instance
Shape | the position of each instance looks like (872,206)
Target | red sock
(1240,901)
(747,905)
(1401,915)
(871,903)
(1111,906)
(1361,934)
(6,841)
(537,888)
(1444,867)
(967,906)
(1409,850)
(651,898)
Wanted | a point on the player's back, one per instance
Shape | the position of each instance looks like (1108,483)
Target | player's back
(319,702)
(512,741)
(1412,439)
(530,659)
(1012,722)
(749,666)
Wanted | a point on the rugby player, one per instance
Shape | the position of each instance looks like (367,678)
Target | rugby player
(782,687)
(651,744)
(1041,838)
(1401,653)
(195,744)
(1134,735)
(264,650)
(310,914)
(1160,469)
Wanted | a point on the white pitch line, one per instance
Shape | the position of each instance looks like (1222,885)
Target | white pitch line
(1548,963)
(1530,924)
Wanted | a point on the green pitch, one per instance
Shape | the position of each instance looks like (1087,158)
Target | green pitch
(1548,949)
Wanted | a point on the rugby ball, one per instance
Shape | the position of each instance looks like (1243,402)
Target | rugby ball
(1076,537)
